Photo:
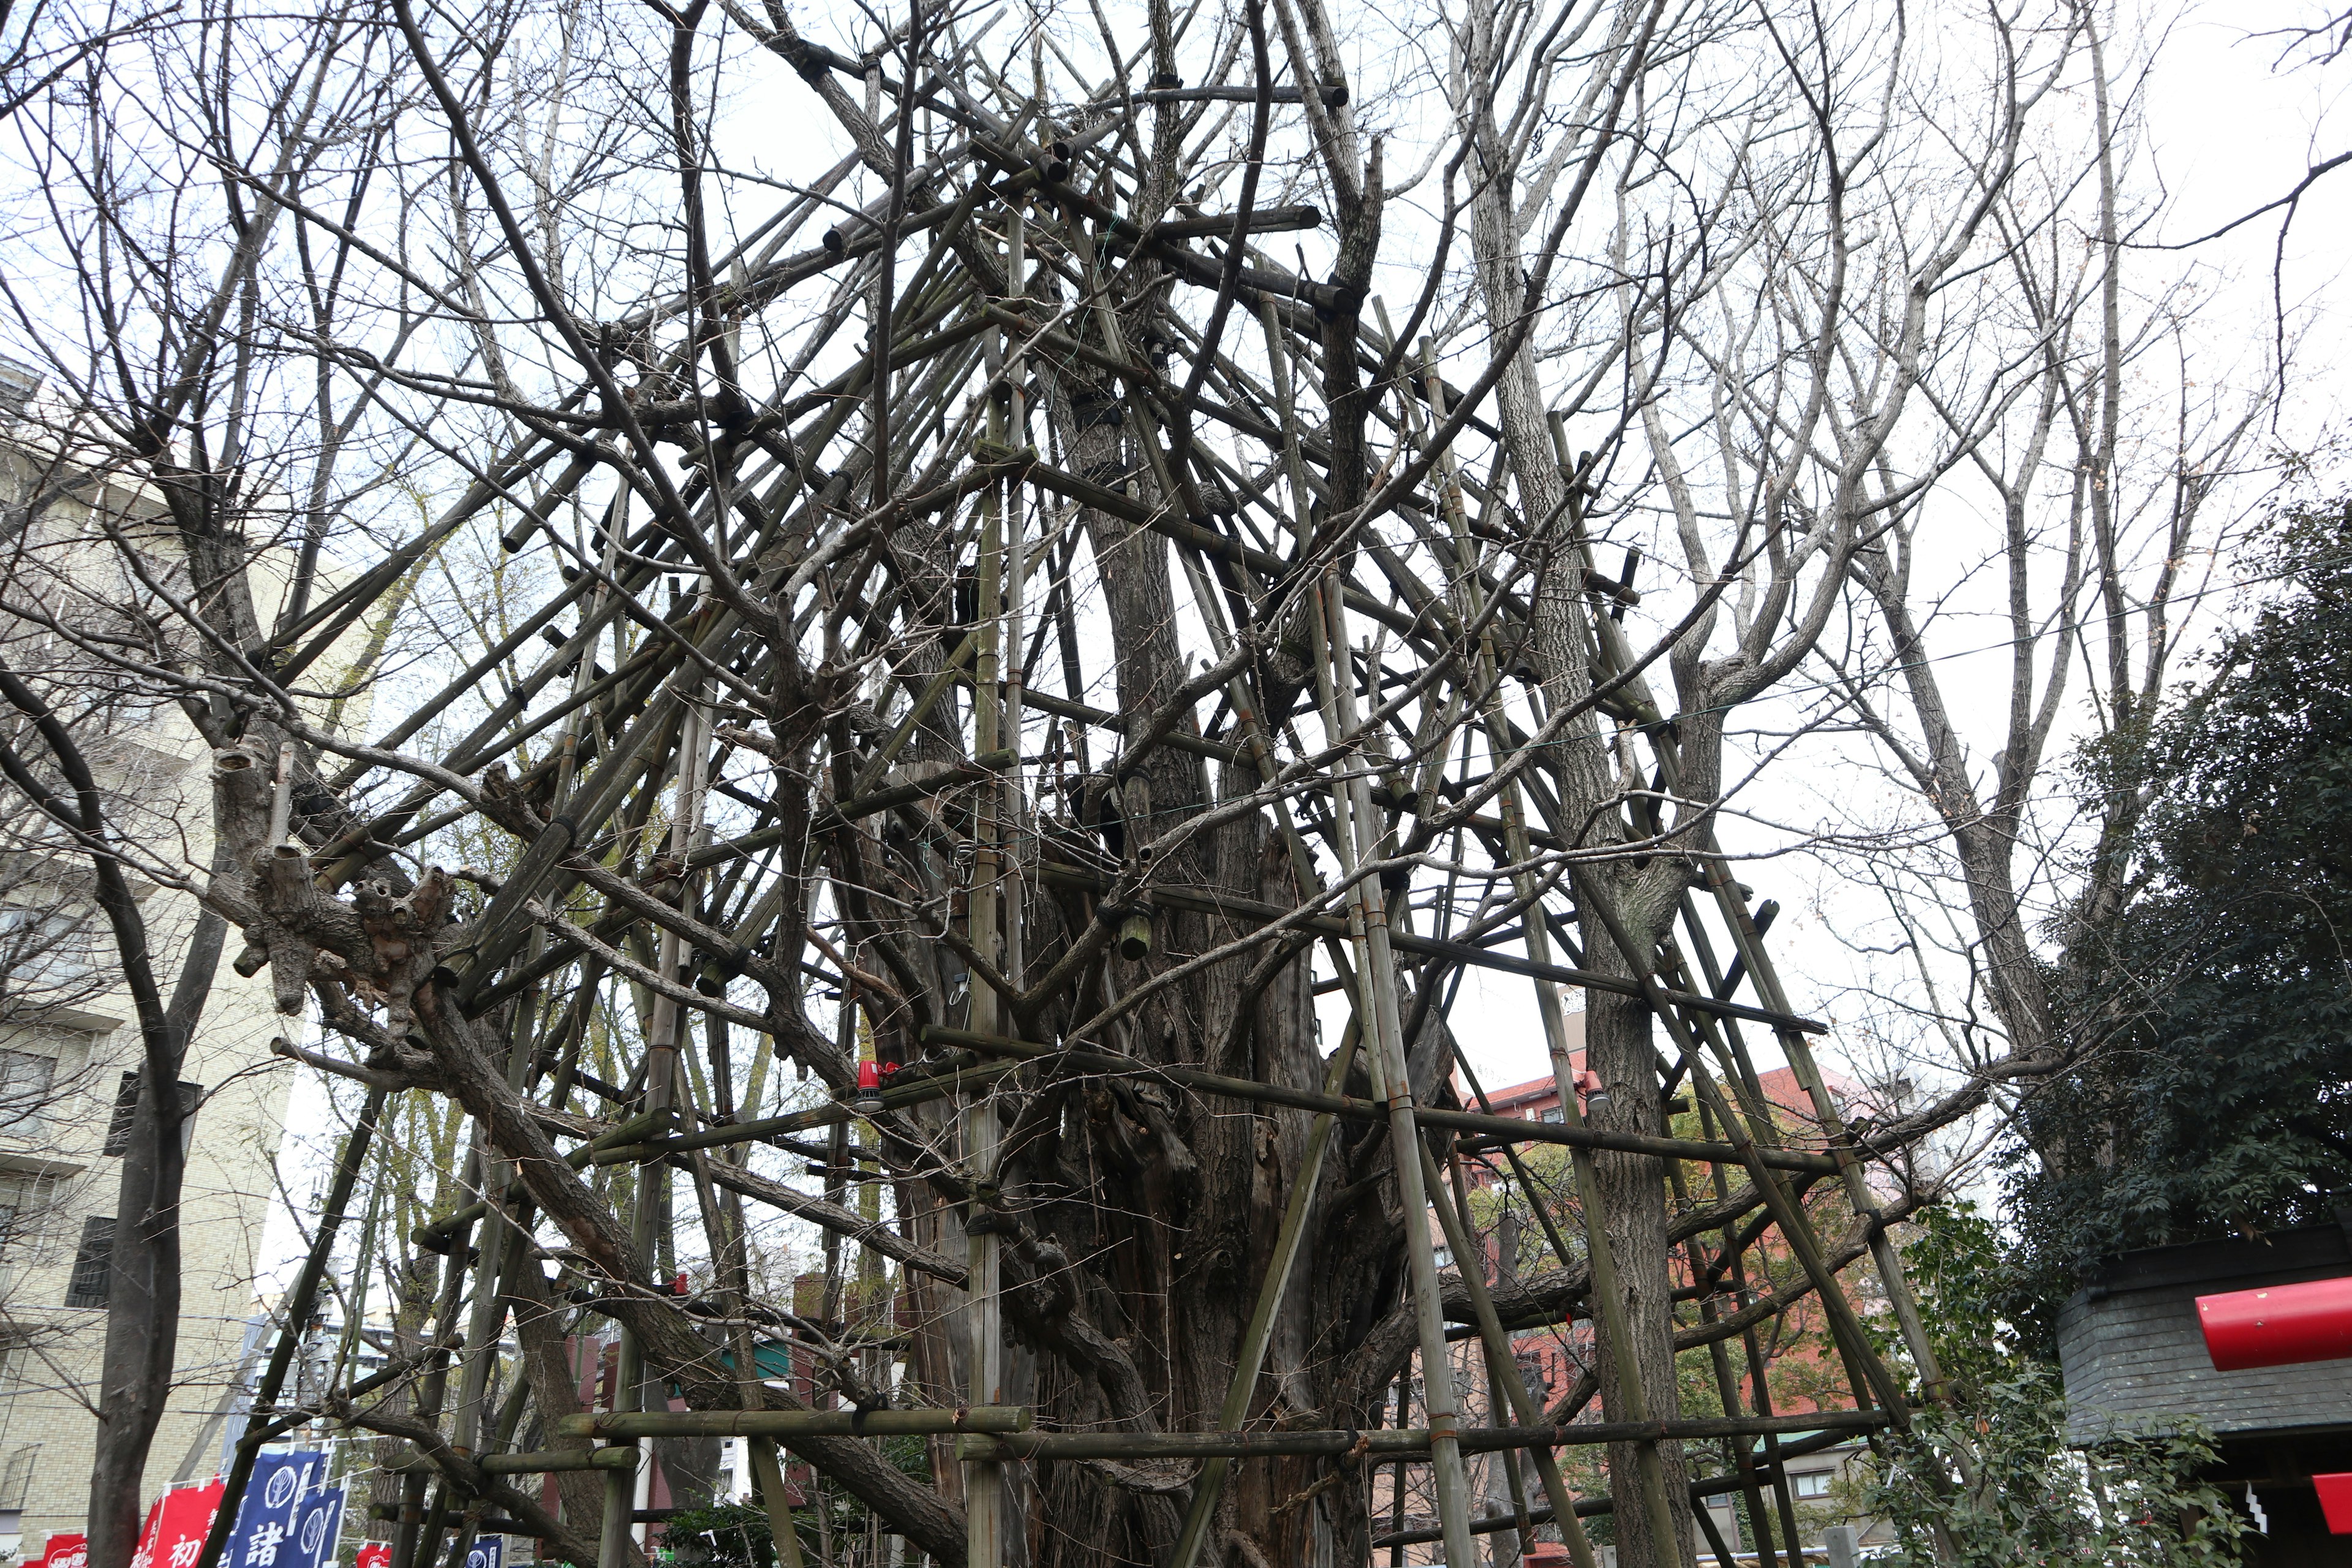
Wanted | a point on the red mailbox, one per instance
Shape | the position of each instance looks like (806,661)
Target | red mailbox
(2278,1325)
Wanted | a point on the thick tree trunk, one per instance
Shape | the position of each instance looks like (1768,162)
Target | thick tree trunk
(1619,1048)
(1617,1029)
(143,1320)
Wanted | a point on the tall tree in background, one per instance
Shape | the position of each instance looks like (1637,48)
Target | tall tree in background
(1980,659)
(160,159)
(2213,1016)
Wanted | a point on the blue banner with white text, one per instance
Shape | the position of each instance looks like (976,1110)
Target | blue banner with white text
(270,1515)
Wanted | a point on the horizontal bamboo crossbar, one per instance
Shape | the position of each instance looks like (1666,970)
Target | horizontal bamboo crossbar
(1594,1507)
(897,795)
(790,1424)
(896,1098)
(1471,1122)
(1218,225)
(538,1463)
(1391,1441)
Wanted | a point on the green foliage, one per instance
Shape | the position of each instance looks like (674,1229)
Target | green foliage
(1991,1470)
(2133,1500)
(2213,1018)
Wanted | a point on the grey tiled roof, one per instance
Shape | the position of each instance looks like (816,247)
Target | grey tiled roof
(2134,1358)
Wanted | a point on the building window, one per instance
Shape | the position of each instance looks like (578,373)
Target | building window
(93,1269)
(1445,1257)
(126,1109)
(47,949)
(1812,1484)
(17,1477)
(26,1078)
(1551,1113)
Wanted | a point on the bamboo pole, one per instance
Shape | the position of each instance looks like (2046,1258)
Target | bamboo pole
(1392,1077)
(787,1424)
(1601,1507)
(527,1463)
(1506,1129)
(1414,1442)
(1433,947)
(984,1481)
(1502,1373)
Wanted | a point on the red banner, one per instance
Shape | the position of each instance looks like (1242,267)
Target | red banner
(176,1527)
(373,1554)
(66,1552)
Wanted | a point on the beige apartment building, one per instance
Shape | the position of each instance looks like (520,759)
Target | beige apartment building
(70,1050)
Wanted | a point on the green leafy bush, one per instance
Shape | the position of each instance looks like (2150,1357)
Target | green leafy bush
(1987,1480)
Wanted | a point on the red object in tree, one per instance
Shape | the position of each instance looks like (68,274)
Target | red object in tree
(868,1101)
(2278,1325)
(677,1286)
(2335,1502)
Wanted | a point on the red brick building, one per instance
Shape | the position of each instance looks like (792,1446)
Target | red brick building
(1555,1359)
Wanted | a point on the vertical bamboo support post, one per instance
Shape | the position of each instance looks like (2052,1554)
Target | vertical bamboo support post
(1392,1081)
(1012,808)
(984,1478)
(1502,1367)
(1004,808)
(628,1384)
(873,1282)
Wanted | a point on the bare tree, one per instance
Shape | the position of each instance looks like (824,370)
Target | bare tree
(168,459)
(1042,699)
(2115,466)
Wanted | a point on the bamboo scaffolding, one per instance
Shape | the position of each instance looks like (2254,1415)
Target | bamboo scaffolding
(836,743)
